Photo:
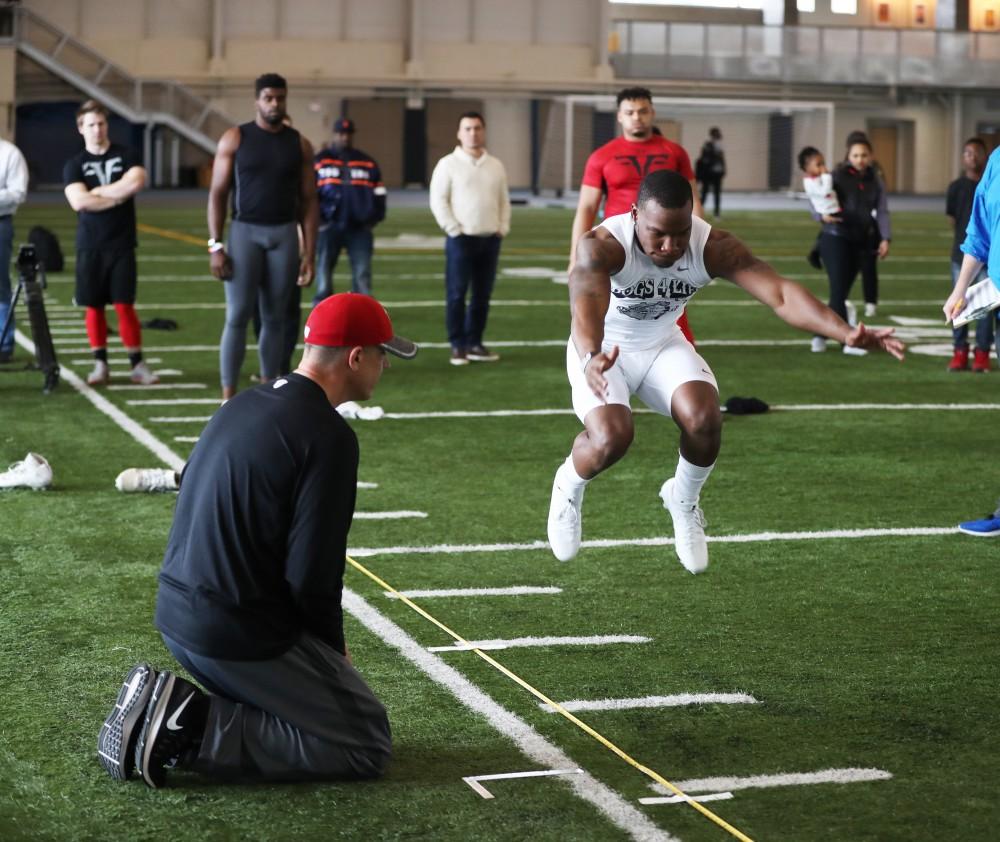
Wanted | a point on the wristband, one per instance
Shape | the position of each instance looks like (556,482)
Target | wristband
(214,246)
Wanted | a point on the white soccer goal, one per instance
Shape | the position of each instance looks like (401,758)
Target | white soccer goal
(761,138)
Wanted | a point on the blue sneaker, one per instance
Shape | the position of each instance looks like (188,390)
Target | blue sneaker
(988,527)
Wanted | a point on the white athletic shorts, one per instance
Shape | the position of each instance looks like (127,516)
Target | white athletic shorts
(652,374)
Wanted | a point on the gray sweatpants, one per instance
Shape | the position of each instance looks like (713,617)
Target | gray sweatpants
(305,715)
(265,262)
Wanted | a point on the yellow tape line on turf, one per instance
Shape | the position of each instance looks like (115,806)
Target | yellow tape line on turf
(171,235)
(555,705)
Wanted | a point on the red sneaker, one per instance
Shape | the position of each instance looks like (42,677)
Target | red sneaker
(959,360)
(981,361)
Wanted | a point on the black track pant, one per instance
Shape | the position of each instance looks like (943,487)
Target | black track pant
(842,261)
(304,715)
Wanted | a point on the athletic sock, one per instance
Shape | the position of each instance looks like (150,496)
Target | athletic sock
(134,358)
(568,479)
(97,327)
(688,480)
(128,325)
(101,354)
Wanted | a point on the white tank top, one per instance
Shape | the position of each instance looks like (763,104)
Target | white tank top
(646,299)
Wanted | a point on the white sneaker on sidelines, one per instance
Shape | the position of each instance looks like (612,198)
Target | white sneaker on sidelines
(855,352)
(565,521)
(31,472)
(870,310)
(142,375)
(818,345)
(146,479)
(689,530)
(852,313)
(100,375)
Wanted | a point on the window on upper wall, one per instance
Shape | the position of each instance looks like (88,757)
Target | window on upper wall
(805,5)
(844,7)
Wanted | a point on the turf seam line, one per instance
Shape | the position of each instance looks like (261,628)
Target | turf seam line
(650,773)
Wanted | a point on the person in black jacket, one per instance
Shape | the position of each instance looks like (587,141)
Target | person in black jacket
(711,168)
(249,598)
(847,240)
(351,204)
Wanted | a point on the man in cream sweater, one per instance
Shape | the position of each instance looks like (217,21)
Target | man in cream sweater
(469,200)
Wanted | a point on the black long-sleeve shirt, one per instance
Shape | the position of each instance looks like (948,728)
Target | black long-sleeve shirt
(257,548)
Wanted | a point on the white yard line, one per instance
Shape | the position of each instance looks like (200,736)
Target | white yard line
(516,590)
(473,780)
(156,387)
(400,515)
(123,361)
(133,428)
(825,776)
(678,700)
(610,543)
(622,814)
(530,642)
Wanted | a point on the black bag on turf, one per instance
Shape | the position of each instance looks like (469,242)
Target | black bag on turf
(47,248)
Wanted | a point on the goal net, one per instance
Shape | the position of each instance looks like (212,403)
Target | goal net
(761,138)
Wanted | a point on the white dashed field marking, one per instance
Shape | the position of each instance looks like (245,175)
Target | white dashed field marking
(678,700)
(400,515)
(530,642)
(825,776)
(156,387)
(608,543)
(124,363)
(516,590)
(474,780)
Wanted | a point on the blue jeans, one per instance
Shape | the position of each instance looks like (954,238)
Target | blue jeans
(984,327)
(6,250)
(329,243)
(470,262)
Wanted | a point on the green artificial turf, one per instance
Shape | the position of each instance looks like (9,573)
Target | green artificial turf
(876,652)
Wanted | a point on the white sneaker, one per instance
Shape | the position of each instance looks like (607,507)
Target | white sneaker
(142,375)
(99,376)
(31,472)
(565,522)
(852,313)
(818,345)
(146,479)
(689,530)
(870,310)
(855,352)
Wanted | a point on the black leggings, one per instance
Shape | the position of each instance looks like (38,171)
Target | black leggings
(842,259)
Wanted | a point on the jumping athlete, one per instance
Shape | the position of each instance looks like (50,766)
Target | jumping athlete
(633,276)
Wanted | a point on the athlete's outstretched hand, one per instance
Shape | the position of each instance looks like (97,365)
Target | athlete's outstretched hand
(880,339)
(594,372)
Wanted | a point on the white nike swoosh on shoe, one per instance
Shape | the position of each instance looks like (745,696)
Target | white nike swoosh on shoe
(172,722)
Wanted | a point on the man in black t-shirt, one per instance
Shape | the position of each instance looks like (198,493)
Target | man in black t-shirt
(958,208)
(249,599)
(101,181)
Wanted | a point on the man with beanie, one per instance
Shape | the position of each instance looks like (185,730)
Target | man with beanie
(249,600)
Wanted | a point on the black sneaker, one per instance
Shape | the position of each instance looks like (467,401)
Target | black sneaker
(482,354)
(814,259)
(174,724)
(118,734)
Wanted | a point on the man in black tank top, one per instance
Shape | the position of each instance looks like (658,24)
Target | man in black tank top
(266,166)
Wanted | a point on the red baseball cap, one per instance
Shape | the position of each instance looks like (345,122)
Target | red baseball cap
(349,319)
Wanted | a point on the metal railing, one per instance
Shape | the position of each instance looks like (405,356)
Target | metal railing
(807,54)
(149,102)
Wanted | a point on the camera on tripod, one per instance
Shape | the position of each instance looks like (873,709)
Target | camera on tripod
(31,282)
(27,264)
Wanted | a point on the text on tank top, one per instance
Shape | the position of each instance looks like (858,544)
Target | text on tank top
(267,175)
(646,299)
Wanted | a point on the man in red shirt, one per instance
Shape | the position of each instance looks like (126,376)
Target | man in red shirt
(616,169)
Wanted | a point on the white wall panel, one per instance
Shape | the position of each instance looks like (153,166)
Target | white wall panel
(509,22)
(376,20)
(312,19)
(103,19)
(250,18)
(63,13)
(446,21)
(566,21)
(179,19)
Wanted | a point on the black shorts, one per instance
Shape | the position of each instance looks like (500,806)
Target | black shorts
(105,277)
